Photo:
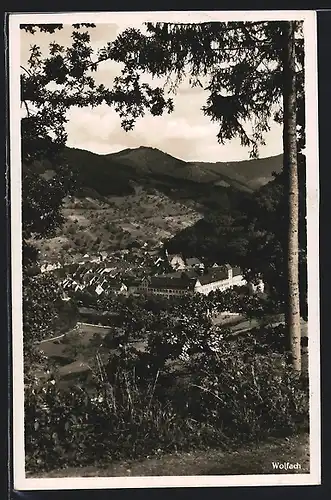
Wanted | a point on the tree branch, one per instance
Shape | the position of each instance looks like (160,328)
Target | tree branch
(27,71)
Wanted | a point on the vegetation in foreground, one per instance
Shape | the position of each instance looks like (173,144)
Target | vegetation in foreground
(223,405)
(190,389)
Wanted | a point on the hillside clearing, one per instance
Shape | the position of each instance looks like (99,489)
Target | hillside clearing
(93,226)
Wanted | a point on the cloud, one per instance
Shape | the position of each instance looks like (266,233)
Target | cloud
(103,126)
(99,130)
(186,133)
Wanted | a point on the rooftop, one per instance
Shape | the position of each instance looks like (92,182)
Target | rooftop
(214,274)
(236,271)
(193,261)
(113,283)
(187,279)
(172,282)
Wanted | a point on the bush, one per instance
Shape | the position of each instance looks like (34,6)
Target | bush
(249,397)
(111,425)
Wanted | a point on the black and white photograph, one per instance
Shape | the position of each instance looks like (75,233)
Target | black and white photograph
(164,249)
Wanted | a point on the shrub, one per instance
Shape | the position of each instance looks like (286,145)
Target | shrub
(250,395)
(81,429)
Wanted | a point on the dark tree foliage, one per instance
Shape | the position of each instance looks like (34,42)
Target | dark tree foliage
(51,28)
(215,238)
(50,86)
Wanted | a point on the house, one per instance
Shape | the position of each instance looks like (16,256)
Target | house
(84,259)
(94,278)
(194,263)
(45,268)
(99,290)
(66,283)
(94,316)
(78,287)
(257,287)
(158,261)
(103,255)
(77,371)
(176,261)
(133,285)
(114,285)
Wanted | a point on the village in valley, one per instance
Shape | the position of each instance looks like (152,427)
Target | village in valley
(126,275)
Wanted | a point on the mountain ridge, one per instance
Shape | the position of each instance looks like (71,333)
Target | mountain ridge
(139,164)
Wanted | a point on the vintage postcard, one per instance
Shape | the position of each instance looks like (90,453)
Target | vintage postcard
(164,233)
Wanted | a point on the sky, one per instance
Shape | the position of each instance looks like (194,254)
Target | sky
(185,133)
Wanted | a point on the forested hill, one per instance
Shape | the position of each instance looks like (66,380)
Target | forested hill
(251,174)
(243,175)
(117,172)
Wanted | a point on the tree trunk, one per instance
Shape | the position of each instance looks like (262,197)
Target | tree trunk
(291,168)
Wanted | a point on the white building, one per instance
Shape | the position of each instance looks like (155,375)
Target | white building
(176,261)
(257,287)
(45,268)
(219,278)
